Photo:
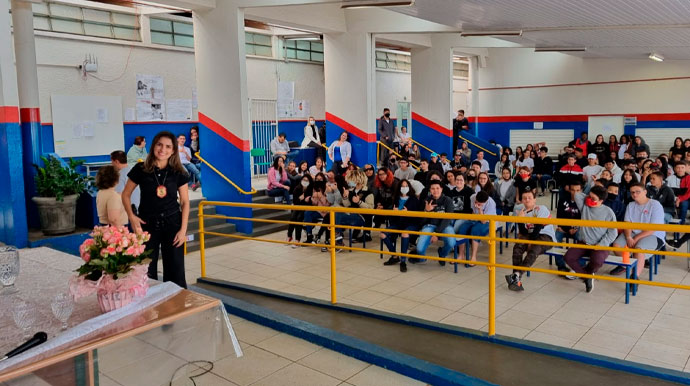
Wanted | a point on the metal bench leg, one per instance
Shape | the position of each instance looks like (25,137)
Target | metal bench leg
(637,277)
(500,244)
(455,256)
(627,285)
(652,263)
(349,236)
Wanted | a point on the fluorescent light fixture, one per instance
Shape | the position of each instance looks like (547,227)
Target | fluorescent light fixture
(303,37)
(656,57)
(491,33)
(351,4)
(560,49)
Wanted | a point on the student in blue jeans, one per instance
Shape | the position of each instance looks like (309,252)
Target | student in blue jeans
(436,202)
(481,204)
(403,200)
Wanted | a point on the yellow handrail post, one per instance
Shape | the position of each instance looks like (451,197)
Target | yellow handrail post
(492,277)
(202,250)
(333,284)
(378,148)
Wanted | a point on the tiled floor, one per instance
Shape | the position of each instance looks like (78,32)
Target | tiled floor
(653,329)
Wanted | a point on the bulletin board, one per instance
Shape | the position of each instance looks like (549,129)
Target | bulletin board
(87,125)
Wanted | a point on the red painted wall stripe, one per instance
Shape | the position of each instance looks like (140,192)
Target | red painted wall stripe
(432,124)
(9,114)
(30,114)
(582,118)
(361,134)
(223,132)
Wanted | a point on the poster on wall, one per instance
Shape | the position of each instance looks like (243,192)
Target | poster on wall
(179,109)
(150,86)
(286,108)
(286,91)
(150,110)
(301,108)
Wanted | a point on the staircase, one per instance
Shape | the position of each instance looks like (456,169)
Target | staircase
(221,226)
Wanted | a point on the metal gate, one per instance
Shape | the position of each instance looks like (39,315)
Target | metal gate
(263,114)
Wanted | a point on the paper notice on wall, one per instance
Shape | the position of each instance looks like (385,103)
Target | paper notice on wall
(102,115)
(89,129)
(286,91)
(179,109)
(60,147)
(301,108)
(195,102)
(286,108)
(130,114)
(77,130)
(150,86)
(150,110)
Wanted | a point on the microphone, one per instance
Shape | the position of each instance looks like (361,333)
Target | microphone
(36,340)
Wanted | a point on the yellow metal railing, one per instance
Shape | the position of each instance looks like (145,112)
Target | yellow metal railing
(252,191)
(378,153)
(424,147)
(491,240)
(472,143)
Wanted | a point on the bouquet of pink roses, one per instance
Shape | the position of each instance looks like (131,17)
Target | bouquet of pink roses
(115,261)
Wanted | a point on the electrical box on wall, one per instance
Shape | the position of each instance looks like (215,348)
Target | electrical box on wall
(91,67)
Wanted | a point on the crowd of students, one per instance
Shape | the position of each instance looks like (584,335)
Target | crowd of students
(606,181)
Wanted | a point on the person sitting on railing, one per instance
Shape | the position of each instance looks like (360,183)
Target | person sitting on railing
(340,152)
(524,255)
(186,159)
(524,181)
(278,181)
(543,168)
(301,196)
(318,198)
(405,171)
(593,209)
(404,200)
(466,152)
(506,191)
(436,202)
(641,210)
(318,167)
(484,163)
(503,163)
(480,203)
(356,196)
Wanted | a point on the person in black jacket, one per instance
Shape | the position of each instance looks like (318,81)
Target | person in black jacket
(543,168)
(460,123)
(404,200)
(436,202)
(301,196)
(600,148)
(661,192)
(386,133)
(614,202)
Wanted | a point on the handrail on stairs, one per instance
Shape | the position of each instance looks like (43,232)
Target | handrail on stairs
(378,162)
(472,143)
(252,191)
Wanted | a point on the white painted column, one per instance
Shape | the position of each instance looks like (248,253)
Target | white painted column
(473,112)
(25,53)
(432,95)
(350,92)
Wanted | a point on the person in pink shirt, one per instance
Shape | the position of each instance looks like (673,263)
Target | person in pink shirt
(278,181)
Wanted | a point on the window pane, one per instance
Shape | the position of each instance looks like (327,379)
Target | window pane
(40,8)
(317,46)
(249,48)
(183,28)
(291,54)
(41,23)
(263,51)
(73,27)
(248,37)
(126,33)
(303,55)
(96,15)
(264,40)
(317,57)
(391,56)
(101,30)
(65,11)
(184,41)
(161,25)
(161,38)
(289,44)
(391,65)
(380,64)
(125,19)
(303,45)
(380,55)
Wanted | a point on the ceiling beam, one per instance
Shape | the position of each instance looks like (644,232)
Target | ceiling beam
(325,18)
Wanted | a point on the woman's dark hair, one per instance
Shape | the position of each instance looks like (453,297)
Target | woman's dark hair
(299,189)
(303,163)
(320,186)
(138,140)
(600,192)
(489,186)
(633,179)
(107,177)
(276,166)
(396,191)
(174,160)
(596,140)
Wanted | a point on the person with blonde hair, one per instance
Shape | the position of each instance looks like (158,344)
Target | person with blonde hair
(355,196)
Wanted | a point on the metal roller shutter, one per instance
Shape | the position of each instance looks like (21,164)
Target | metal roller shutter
(660,140)
(555,139)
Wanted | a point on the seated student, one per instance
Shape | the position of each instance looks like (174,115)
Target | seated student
(568,209)
(614,202)
(279,146)
(503,163)
(681,182)
(471,179)
(457,161)
(641,210)
(186,159)
(466,152)
(423,172)
(405,171)
(404,199)
(543,168)
(506,192)
(278,181)
(119,160)
(580,158)
(570,172)
(524,182)
(592,170)
(627,181)
(435,164)
(436,202)
(371,176)
(483,164)
(450,181)
(525,161)
(137,153)
(445,163)
(384,190)
(592,208)
(484,184)
(301,196)
(524,255)
(318,167)
(460,196)
(480,203)
(356,196)
(293,175)
(657,190)
(108,201)
(318,198)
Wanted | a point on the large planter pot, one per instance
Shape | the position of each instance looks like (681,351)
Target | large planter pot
(57,217)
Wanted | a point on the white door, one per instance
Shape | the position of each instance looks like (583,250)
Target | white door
(404,116)
(606,126)
(264,118)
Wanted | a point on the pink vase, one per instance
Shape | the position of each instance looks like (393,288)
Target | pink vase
(110,301)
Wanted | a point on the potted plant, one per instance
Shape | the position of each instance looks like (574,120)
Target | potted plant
(115,267)
(58,189)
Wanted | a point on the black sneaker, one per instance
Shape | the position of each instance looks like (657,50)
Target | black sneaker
(339,237)
(566,269)
(675,244)
(413,260)
(392,260)
(589,284)
(509,278)
(441,263)
(403,267)
(516,285)
(338,245)
(324,249)
(362,238)
(310,239)
(617,271)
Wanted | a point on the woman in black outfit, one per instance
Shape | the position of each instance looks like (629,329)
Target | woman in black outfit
(161,178)
(194,144)
(300,196)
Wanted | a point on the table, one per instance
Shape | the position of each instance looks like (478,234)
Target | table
(180,328)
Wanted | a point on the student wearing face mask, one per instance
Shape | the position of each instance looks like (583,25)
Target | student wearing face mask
(524,182)
(386,132)
(404,200)
(301,196)
(356,196)
(313,139)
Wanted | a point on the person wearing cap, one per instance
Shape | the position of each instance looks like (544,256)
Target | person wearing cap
(485,164)
(591,171)
(457,161)
(435,164)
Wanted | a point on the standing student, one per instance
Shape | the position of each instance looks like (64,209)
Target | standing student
(163,181)
(386,133)
(460,123)
(301,196)
(403,200)
(194,144)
